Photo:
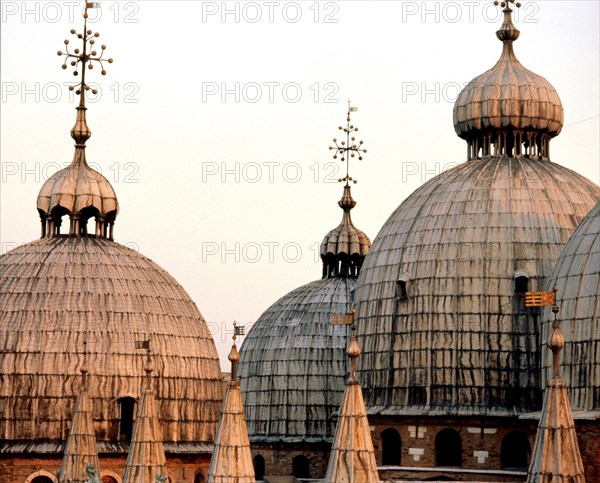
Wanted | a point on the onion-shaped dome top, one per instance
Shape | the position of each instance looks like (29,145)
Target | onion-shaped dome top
(293,364)
(57,293)
(79,192)
(344,248)
(508,108)
(440,297)
(577,278)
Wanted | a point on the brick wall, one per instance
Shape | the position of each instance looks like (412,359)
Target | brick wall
(182,469)
(279,457)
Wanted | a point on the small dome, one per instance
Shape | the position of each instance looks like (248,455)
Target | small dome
(76,189)
(293,364)
(508,108)
(440,297)
(59,292)
(79,192)
(345,247)
(577,278)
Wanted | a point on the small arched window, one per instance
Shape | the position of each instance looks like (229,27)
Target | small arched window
(259,467)
(127,410)
(108,479)
(402,286)
(41,476)
(87,222)
(515,452)
(56,215)
(448,448)
(199,478)
(300,467)
(391,447)
(521,282)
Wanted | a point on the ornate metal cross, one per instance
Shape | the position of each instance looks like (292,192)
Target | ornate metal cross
(86,57)
(348,148)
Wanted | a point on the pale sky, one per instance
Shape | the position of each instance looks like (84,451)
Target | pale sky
(213,122)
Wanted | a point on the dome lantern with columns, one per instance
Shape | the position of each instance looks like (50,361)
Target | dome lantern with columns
(508,110)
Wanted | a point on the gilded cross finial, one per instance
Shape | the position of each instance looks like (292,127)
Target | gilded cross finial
(348,148)
(86,57)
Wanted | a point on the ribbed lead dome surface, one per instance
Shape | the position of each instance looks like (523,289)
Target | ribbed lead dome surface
(293,364)
(57,292)
(439,321)
(577,278)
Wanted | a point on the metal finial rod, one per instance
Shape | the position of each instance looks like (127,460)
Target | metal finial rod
(234,356)
(84,367)
(348,148)
(353,350)
(557,341)
(149,364)
(86,59)
(149,369)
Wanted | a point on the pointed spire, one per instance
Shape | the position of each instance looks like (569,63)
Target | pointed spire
(345,247)
(78,190)
(146,461)
(352,457)
(231,461)
(81,453)
(556,456)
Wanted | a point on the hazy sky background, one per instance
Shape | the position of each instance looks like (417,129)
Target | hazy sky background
(232,195)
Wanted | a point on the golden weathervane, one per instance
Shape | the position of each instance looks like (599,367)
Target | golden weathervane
(86,57)
(348,148)
(343,319)
(541,299)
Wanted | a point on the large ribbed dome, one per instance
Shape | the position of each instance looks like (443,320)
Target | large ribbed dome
(577,278)
(508,109)
(293,364)
(442,327)
(58,292)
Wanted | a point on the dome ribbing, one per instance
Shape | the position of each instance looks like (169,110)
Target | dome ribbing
(577,278)
(58,292)
(440,296)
